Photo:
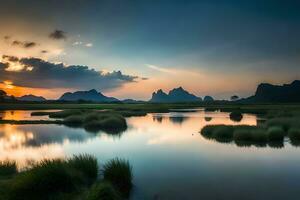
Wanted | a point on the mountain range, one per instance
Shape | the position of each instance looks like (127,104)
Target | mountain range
(175,95)
(268,93)
(31,97)
(91,95)
(265,93)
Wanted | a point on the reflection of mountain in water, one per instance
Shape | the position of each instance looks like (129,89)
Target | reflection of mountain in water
(178,119)
(157,118)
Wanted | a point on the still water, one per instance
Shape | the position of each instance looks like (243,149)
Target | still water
(170,159)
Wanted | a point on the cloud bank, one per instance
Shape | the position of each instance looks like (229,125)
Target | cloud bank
(38,73)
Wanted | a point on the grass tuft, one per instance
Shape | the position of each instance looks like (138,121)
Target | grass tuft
(119,173)
(87,165)
(275,133)
(8,168)
(103,191)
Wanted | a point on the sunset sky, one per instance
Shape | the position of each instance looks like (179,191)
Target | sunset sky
(128,49)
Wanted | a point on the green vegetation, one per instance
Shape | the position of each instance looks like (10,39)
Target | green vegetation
(73,178)
(247,135)
(94,121)
(20,122)
(103,191)
(119,173)
(91,120)
(275,133)
(236,116)
(277,122)
(87,165)
(8,168)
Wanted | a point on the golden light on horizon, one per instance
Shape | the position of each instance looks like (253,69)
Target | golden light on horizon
(8,84)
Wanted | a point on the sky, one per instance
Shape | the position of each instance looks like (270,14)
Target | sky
(129,49)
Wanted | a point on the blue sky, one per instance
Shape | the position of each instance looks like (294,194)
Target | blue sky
(208,47)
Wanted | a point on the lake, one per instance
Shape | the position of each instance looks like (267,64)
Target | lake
(170,159)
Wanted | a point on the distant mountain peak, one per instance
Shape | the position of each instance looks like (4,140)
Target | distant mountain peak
(174,95)
(30,97)
(93,91)
(267,92)
(90,95)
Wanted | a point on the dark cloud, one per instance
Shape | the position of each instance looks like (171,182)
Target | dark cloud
(44,51)
(25,44)
(16,43)
(3,65)
(10,58)
(7,37)
(29,44)
(58,35)
(43,74)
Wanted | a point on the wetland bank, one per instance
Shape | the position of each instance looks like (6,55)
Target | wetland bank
(168,139)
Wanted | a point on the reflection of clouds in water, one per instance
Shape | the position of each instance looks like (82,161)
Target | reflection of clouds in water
(38,135)
(34,142)
(15,145)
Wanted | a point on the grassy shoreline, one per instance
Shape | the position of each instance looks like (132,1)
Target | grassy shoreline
(78,177)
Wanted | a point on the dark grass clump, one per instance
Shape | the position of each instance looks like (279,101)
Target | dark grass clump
(294,135)
(119,173)
(8,168)
(87,165)
(236,116)
(223,132)
(67,113)
(245,136)
(259,136)
(74,120)
(53,179)
(103,191)
(45,180)
(220,133)
(94,121)
(276,144)
(73,178)
(109,122)
(207,131)
(41,113)
(285,122)
(242,135)
(275,133)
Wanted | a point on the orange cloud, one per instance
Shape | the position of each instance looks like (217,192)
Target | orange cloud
(18,91)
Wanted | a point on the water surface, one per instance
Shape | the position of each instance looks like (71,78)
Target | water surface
(170,159)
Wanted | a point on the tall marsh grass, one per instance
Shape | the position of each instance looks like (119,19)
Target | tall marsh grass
(119,173)
(8,168)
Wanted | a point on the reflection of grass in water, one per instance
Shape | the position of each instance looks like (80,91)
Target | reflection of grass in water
(68,179)
(207,119)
